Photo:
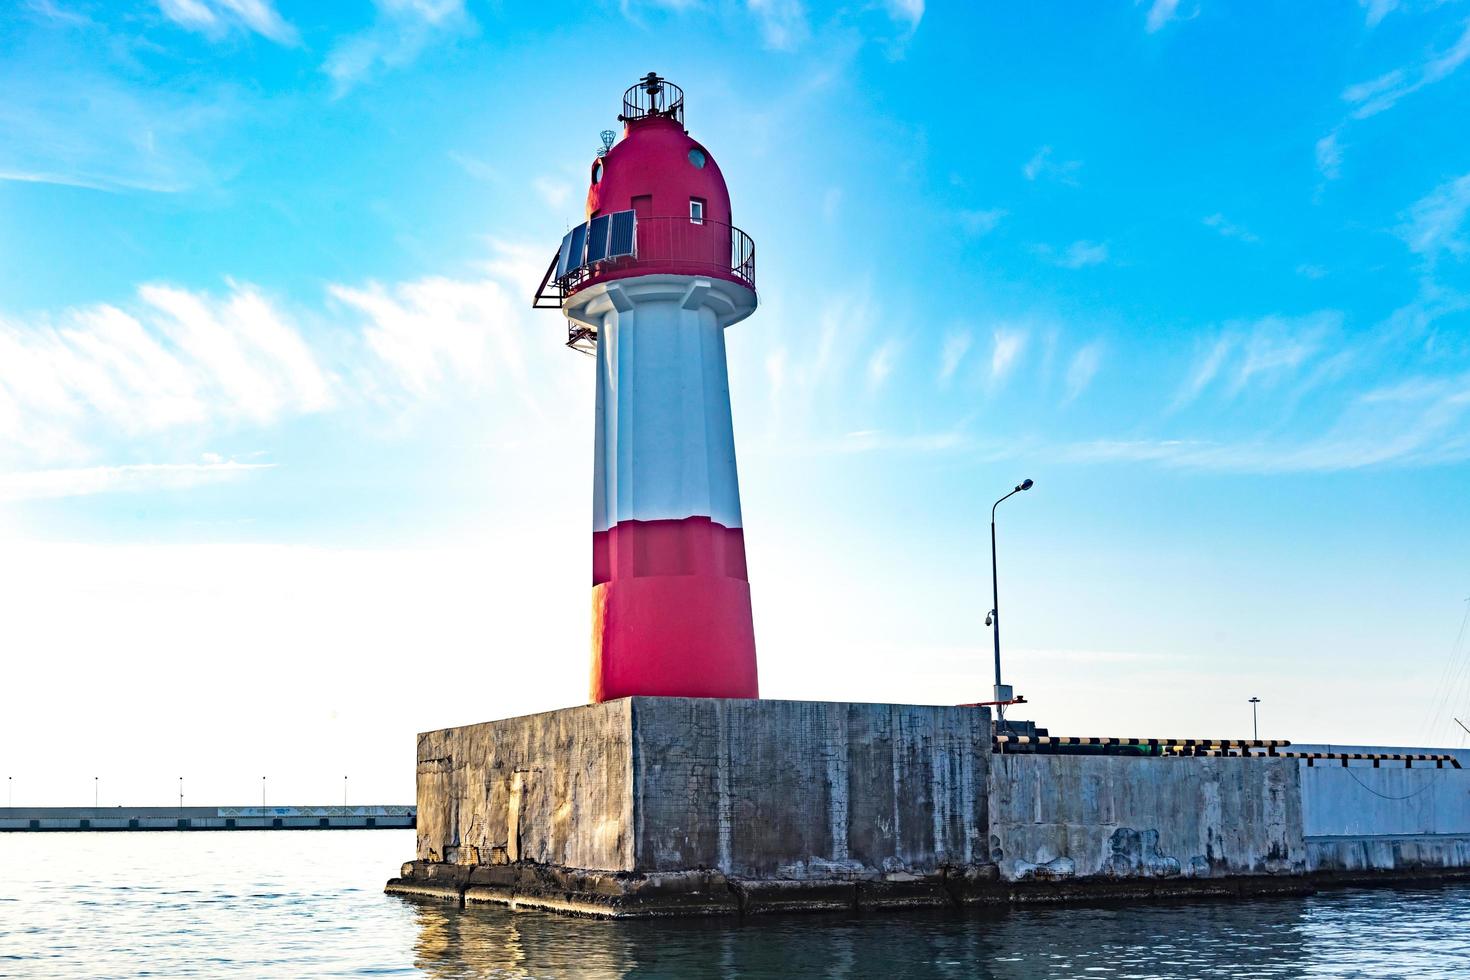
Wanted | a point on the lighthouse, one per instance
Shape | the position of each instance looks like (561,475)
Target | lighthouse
(648,282)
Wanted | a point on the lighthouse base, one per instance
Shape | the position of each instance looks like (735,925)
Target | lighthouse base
(680,806)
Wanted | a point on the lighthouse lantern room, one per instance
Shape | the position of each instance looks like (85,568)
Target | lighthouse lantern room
(648,284)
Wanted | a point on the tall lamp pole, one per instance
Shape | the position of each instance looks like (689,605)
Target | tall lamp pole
(993,619)
(1255,728)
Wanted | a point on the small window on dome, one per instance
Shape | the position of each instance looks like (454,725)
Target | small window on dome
(597,172)
(696,157)
(696,211)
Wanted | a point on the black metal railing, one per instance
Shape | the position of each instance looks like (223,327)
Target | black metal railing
(676,245)
(653,97)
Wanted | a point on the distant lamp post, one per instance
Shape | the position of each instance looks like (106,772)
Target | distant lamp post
(1002,692)
(181,792)
(262,792)
(344,792)
(1255,728)
(10,791)
(96,791)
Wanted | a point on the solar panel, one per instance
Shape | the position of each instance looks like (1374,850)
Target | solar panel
(620,239)
(563,256)
(577,243)
(597,238)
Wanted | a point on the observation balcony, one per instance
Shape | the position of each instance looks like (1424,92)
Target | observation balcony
(622,244)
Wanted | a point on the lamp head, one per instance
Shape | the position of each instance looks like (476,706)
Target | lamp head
(1025,485)
(990,617)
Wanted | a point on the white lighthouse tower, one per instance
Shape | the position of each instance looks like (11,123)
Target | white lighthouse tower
(648,284)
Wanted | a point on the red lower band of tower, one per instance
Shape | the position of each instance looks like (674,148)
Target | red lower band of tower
(671,611)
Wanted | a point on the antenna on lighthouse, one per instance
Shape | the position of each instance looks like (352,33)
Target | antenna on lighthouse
(607,141)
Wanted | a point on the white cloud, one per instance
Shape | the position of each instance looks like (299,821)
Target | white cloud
(1434,222)
(956,346)
(177,359)
(438,335)
(1083,368)
(84,128)
(1384,92)
(1378,9)
(1081,254)
(1008,345)
(1042,164)
(140,477)
(880,364)
(783,23)
(554,192)
(1266,352)
(1229,229)
(1309,270)
(906,12)
(216,18)
(1160,12)
(401,32)
(1329,155)
(981,222)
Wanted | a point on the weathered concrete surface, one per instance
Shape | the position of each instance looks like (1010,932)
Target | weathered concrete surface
(553,788)
(650,806)
(802,790)
(1074,818)
(1391,819)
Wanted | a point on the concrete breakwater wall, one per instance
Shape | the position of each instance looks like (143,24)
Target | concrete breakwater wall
(675,804)
(54,818)
(651,806)
(1112,818)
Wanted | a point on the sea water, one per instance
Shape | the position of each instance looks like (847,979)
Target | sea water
(310,904)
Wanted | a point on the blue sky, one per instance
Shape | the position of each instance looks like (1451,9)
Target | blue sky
(284,451)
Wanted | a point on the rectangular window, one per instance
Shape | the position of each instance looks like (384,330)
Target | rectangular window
(696,211)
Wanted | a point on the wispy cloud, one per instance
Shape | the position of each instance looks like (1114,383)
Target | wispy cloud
(84,128)
(1082,369)
(1384,92)
(401,32)
(1043,165)
(217,18)
(1434,223)
(1229,229)
(50,484)
(1005,352)
(554,192)
(1417,423)
(1329,155)
(783,23)
(981,222)
(1160,12)
(1265,352)
(956,346)
(178,359)
(880,364)
(1077,255)
(1378,9)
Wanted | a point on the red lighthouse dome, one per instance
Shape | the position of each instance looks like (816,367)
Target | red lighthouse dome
(657,169)
(656,204)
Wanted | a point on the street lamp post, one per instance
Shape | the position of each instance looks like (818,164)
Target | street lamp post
(344,792)
(96,791)
(181,792)
(262,792)
(993,619)
(1255,728)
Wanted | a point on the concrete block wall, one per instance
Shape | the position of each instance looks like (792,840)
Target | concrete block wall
(808,790)
(1120,817)
(553,788)
(761,789)
(1393,818)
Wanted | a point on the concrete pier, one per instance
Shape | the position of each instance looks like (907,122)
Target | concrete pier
(674,806)
(56,818)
